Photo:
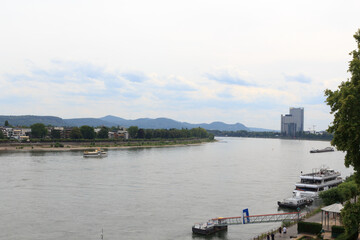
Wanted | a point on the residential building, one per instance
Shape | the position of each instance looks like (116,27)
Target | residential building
(122,133)
(293,122)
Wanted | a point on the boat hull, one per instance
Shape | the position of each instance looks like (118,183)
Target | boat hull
(95,156)
(209,231)
(293,206)
(322,150)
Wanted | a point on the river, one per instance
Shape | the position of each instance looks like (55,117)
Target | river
(152,193)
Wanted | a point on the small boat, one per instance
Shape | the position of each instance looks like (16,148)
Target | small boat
(207,228)
(327,149)
(295,202)
(96,153)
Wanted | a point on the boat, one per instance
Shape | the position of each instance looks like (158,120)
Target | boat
(207,228)
(96,153)
(327,149)
(318,180)
(295,202)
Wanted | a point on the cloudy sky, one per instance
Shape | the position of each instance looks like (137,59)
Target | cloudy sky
(194,61)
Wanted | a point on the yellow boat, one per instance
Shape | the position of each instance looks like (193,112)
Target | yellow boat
(96,153)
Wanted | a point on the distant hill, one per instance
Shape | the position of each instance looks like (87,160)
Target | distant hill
(169,123)
(77,122)
(109,121)
(28,120)
(262,130)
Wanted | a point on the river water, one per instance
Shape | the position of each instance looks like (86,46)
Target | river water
(152,193)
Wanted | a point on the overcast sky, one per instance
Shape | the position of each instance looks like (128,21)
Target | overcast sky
(193,61)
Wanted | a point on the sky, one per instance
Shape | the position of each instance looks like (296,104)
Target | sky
(193,61)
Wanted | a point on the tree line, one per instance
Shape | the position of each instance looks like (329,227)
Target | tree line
(299,135)
(39,130)
(140,133)
(345,107)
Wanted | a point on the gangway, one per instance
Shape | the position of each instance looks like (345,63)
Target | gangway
(218,224)
(278,217)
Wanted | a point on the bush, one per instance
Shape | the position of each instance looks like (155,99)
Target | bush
(309,227)
(336,231)
(344,236)
(58,145)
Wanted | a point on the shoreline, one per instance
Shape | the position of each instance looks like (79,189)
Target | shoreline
(50,147)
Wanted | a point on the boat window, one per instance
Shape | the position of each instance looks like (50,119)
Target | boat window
(306,189)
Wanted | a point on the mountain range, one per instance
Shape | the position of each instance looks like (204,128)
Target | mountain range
(109,121)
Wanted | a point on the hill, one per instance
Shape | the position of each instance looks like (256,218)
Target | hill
(109,121)
(28,120)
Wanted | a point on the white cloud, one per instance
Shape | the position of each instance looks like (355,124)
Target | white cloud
(160,58)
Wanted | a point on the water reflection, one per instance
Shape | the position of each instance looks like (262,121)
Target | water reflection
(222,235)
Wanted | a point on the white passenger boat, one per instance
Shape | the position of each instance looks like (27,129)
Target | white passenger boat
(96,153)
(319,180)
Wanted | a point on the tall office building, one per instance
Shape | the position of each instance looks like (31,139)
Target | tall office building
(293,122)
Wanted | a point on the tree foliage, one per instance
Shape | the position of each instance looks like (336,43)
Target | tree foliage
(87,132)
(345,191)
(6,123)
(38,130)
(1,134)
(345,105)
(103,133)
(140,133)
(133,130)
(55,133)
(298,135)
(75,133)
(351,217)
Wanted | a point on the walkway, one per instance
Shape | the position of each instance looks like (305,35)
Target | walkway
(292,231)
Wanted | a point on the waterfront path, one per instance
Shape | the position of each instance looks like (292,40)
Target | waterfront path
(292,230)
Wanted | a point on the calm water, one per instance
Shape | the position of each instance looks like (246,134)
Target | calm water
(152,193)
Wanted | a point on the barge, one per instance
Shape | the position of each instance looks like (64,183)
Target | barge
(327,149)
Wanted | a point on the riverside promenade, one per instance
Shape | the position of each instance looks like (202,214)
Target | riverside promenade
(292,230)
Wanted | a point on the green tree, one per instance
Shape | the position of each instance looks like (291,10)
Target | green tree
(103,133)
(38,130)
(87,132)
(350,217)
(1,134)
(6,123)
(133,130)
(75,133)
(140,133)
(149,133)
(55,133)
(333,195)
(344,104)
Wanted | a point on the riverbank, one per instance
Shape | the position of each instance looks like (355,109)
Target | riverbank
(81,146)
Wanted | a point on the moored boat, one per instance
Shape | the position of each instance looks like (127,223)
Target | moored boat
(96,153)
(207,228)
(327,149)
(295,202)
(319,180)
